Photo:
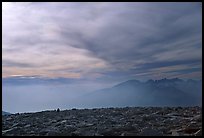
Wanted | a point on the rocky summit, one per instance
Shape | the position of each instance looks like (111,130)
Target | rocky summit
(128,121)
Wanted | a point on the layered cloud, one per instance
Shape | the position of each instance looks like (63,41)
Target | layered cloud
(102,40)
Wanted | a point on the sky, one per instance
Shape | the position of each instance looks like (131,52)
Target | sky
(103,40)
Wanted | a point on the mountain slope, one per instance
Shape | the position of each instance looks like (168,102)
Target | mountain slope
(165,92)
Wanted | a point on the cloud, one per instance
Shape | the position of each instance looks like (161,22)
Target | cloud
(16,64)
(96,40)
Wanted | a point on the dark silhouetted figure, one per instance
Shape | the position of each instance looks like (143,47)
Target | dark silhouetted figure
(58,110)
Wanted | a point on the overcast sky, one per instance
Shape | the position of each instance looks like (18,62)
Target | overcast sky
(102,41)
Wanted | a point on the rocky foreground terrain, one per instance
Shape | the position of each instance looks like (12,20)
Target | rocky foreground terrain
(129,121)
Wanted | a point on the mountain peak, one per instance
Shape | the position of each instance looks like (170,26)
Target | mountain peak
(173,80)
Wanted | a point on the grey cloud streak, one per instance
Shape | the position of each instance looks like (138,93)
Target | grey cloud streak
(16,64)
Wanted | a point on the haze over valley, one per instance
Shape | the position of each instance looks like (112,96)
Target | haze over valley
(37,94)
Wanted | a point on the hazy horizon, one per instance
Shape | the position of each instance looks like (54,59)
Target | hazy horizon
(21,97)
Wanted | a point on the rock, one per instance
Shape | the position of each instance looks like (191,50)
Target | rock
(129,134)
(27,126)
(5,131)
(75,134)
(197,118)
(9,119)
(150,132)
(13,130)
(198,133)
(128,121)
(15,124)
(191,130)
(64,121)
(175,133)
(53,133)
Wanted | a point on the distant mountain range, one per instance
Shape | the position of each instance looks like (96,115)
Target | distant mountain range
(164,92)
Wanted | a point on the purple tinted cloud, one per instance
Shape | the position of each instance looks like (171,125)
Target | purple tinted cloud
(102,39)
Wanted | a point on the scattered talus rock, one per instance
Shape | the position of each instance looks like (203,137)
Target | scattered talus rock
(129,121)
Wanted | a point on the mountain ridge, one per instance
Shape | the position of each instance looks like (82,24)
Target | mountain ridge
(164,92)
